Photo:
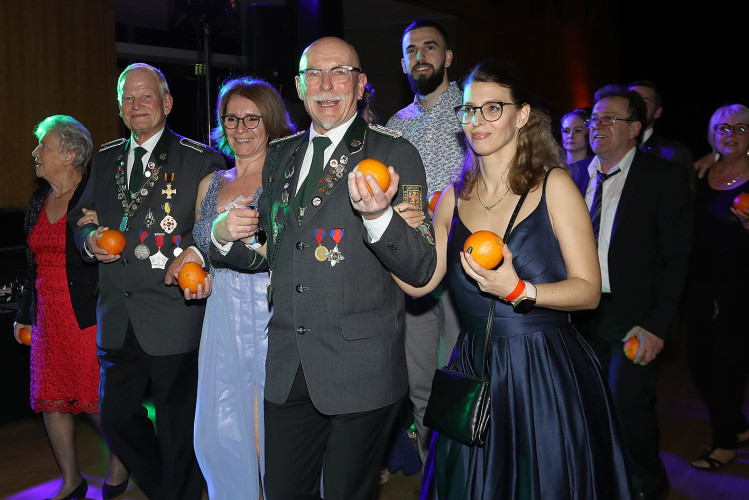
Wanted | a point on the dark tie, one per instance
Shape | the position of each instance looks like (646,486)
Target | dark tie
(304,195)
(136,173)
(595,208)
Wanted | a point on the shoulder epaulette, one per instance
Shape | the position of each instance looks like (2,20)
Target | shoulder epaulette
(112,144)
(384,130)
(193,144)
(280,140)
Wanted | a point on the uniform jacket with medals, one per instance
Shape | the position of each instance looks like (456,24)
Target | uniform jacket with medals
(132,288)
(337,310)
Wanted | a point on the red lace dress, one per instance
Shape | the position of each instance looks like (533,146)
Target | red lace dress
(64,365)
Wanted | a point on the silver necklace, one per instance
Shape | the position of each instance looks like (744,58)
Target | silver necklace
(489,208)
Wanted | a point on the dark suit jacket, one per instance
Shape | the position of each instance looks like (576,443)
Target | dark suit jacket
(344,323)
(130,290)
(82,276)
(650,246)
(668,149)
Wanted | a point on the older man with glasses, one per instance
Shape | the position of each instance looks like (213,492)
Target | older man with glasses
(641,207)
(336,369)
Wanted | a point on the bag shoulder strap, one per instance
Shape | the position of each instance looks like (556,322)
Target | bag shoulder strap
(490,320)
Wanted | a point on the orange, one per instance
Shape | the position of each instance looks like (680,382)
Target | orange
(485,247)
(376,169)
(741,202)
(630,348)
(112,241)
(190,276)
(432,200)
(25,336)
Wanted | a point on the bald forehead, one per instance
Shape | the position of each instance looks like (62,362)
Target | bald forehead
(329,51)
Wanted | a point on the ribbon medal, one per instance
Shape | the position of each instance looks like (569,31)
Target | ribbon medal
(321,252)
(335,255)
(168,223)
(142,251)
(158,260)
(177,239)
(169,178)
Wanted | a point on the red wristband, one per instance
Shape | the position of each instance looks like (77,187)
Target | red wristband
(520,288)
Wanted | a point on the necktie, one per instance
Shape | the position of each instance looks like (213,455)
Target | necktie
(595,209)
(136,173)
(304,195)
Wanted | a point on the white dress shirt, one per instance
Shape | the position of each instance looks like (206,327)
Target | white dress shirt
(612,192)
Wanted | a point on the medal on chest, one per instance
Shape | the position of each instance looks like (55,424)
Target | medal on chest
(158,260)
(321,252)
(168,223)
(335,256)
(142,251)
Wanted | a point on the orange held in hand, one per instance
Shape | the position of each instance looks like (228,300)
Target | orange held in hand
(432,200)
(112,241)
(630,348)
(190,276)
(25,336)
(741,202)
(485,247)
(376,169)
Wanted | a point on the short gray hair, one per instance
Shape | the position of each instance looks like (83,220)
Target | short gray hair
(73,138)
(721,115)
(163,86)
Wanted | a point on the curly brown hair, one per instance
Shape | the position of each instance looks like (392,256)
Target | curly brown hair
(537,150)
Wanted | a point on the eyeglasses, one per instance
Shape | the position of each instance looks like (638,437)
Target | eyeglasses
(339,74)
(725,129)
(491,111)
(250,121)
(604,121)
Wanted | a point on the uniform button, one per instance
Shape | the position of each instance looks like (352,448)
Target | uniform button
(391,246)
(125,262)
(301,288)
(128,294)
(300,245)
(301,330)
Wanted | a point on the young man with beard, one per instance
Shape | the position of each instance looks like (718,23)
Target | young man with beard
(429,123)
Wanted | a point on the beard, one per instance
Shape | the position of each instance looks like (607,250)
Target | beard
(424,85)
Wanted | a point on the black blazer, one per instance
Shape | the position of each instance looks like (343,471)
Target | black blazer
(82,276)
(131,290)
(650,245)
(668,149)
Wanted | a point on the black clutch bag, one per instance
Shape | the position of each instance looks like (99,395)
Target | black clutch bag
(459,403)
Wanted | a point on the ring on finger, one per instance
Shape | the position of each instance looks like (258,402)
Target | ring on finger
(355,201)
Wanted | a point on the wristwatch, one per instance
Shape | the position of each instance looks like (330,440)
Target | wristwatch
(258,241)
(526,302)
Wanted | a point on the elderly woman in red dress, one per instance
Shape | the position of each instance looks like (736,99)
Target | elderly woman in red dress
(59,303)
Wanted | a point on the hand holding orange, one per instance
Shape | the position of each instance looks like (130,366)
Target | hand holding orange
(631,347)
(112,241)
(376,169)
(190,276)
(25,336)
(485,247)
(741,202)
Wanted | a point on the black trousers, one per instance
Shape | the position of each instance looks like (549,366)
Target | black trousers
(163,463)
(302,444)
(718,348)
(633,392)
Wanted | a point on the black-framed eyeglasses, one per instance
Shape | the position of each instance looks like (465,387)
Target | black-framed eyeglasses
(725,129)
(339,74)
(605,121)
(491,111)
(250,121)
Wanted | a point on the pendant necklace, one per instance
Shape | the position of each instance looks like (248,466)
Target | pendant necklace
(489,208)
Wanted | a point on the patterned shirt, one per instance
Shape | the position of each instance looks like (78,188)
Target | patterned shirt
(437,134)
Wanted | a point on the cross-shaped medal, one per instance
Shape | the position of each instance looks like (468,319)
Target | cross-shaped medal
(169,191)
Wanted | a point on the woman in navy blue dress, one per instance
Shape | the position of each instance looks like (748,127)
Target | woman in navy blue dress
(551,432)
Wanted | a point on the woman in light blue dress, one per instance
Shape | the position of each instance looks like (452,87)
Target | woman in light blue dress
(228,426)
